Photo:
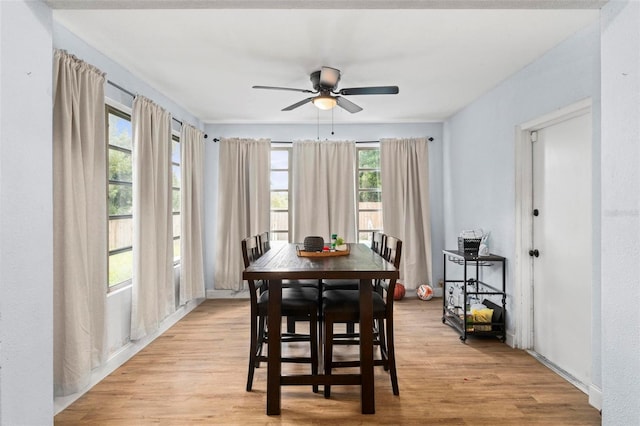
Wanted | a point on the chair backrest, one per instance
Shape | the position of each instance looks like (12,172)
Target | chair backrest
(265,246)
(251,250)
(392,250)
(392,253)
(377,241)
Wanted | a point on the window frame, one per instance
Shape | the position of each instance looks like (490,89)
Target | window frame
(175,137)
(366,190)
(121,112)
(272,231)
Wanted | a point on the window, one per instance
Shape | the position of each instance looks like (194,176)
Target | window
(369,187)
(369,193)
(175,190)
(280,194)
(120,198)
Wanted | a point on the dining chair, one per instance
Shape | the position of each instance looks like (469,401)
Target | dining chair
(298,302)
(377,245)
(343,306)
(265,246)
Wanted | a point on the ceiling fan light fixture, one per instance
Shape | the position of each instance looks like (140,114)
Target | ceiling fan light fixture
(324,102)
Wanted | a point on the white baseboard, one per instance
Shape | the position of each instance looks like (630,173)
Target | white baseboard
(124,354)
(562,373)
(227,294)
(595,397)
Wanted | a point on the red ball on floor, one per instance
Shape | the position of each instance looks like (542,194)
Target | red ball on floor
(399,291)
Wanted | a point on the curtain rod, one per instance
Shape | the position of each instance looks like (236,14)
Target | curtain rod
(430,139)
(133,95)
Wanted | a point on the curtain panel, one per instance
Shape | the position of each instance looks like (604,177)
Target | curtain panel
(324,190)
(191,214)
(243,204)
(79,218)
(404,172)
(153,289)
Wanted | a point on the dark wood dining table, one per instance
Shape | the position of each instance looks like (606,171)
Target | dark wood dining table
(282,262)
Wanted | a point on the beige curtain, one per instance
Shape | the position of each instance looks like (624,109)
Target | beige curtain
(79,222)
(153,289)
(324,190)
(191,214)
(243,204)
(404,170)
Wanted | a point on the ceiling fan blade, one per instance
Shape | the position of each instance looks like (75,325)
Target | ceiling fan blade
(348,105)
(297,104)
(284,88)
(378,90)
(329,77)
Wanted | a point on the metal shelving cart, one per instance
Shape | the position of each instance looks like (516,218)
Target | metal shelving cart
(456,312)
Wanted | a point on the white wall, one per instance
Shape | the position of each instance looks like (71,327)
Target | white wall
(620,213)
(479,154)
(289,132)
(26,208)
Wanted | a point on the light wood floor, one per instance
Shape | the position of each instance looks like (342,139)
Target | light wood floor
(195,374)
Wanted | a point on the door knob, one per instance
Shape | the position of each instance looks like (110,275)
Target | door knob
(534,252)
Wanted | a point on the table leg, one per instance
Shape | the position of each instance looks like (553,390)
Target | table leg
(366,348)
(274,320)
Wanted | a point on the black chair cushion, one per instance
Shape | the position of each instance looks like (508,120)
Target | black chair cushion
(300,283)
(328,285)
(349,301)
(295,300)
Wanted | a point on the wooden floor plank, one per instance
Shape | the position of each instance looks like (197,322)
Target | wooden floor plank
(195,374)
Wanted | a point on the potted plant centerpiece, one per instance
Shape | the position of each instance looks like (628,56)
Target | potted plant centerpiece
(340,244)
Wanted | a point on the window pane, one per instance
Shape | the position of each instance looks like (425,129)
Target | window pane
(120,199)
(175,151)
(364,238)
(120,233)
(176,225)
(279,236)
(279,200)
(369,159)
(120,166)
(280,221)
(279,159)
(119,132)
(370,198)
(120,267)
(176,200)
(279,180)
(176,176)
(176,250)
(369,179)
(369,220)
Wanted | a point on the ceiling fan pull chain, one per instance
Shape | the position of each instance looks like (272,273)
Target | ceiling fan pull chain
(332,121)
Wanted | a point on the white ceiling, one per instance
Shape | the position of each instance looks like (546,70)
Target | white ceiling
(206,57)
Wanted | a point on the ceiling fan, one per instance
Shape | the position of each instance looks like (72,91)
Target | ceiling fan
(325,85)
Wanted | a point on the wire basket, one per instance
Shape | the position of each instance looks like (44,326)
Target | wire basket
(469,245)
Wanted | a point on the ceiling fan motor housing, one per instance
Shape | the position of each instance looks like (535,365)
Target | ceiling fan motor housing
(331,78)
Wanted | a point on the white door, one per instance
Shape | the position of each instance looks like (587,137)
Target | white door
(562,237)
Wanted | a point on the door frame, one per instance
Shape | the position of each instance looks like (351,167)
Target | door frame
(523,290)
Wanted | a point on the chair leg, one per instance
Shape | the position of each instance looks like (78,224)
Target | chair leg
(291,325)
(260,340)
(380,324)
(313,337)
(351,328)
(391,354)
(328,351)
(253,343)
